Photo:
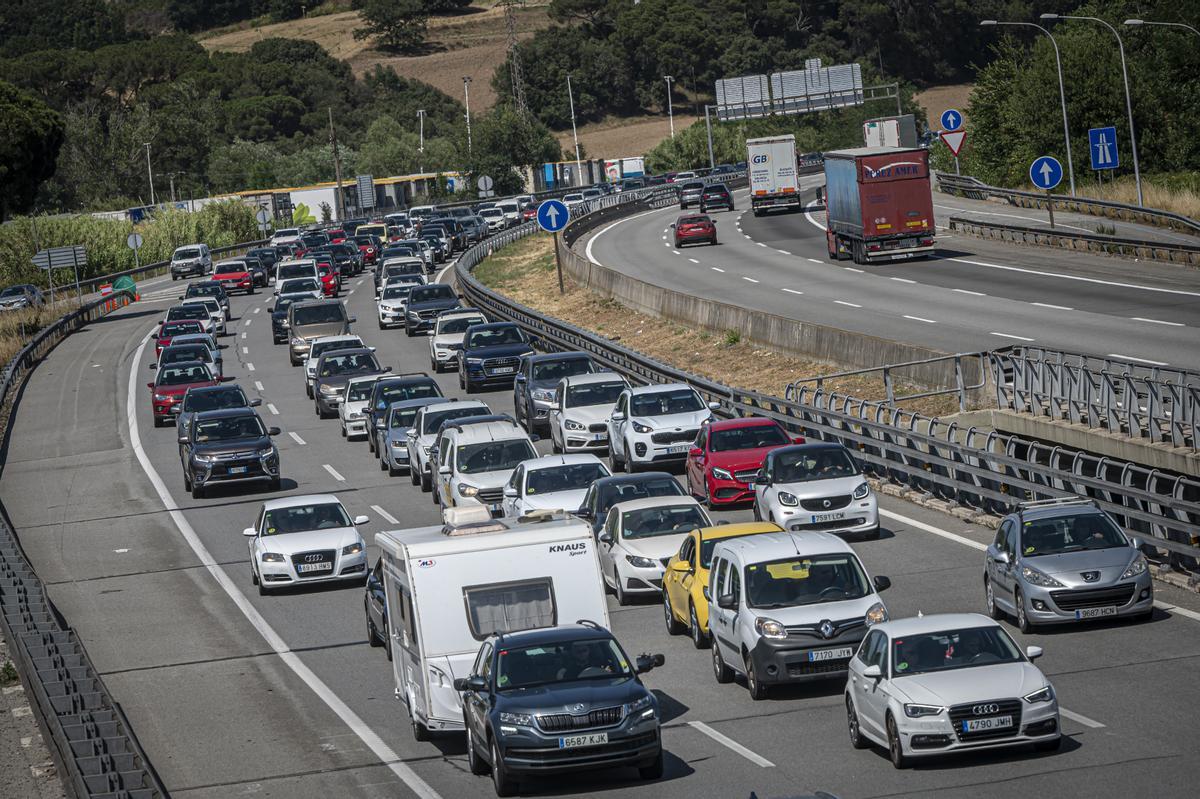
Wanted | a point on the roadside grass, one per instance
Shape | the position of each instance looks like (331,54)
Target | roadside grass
(17,327)
(524,271)
(1177,193)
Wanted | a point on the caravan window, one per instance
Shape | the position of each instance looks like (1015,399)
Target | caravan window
(510,607)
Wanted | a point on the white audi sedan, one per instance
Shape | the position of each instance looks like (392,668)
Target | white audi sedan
(552,482)
(305,539)
(947,683)
(638,539)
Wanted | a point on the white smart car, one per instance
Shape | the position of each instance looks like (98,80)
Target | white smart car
(447,340)
(352,410)
(305,539)
(638,539)
(654,425)
(582,405)
(816,486)
(552,482)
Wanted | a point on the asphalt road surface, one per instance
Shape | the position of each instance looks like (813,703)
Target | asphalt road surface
(975,295)
(234,694)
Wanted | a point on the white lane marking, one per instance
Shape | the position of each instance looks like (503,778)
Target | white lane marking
(247,322)
(693,260)
(297,439)
(815,261)
(272,409)
(664,237)
(793,291)
(728,742)
(1007,216)
(249,366)
(245,350)
(1009,335)
(850,304)
(812,219)
(1053,307)
(676,252)
(258,385)
(257,308)
(929,528)
(374,742)
(334,472)
(745,236)
(243,334)
(716,269)
(1158,321)
(752,280)
(1084,720)
(1135,358)
(852,269)
(783,252)
(902,280)
(1191,614)
(387,517)
(588,250)
(972,293)
(921,319)
(348,293)
(760,244)
(666,244)
(1061,276)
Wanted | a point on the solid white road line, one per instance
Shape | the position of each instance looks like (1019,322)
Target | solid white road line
(793,291)
(726,741)
(752,280)
(1191,614)
(815,261)
(1084,720)
(588,250)
(258,385)
(387,517)
(1009,335)
(1158,321)
(812,219)
(334,472)
(902,280)
(929,528)
(921,319)
(272,409)
(716,269)
(351,719)
(249,366)
(1061,276)
(1053,307)
(972,293)
(1139,360)
(849,304)
(297,439)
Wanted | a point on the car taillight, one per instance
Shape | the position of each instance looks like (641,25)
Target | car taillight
(926,242)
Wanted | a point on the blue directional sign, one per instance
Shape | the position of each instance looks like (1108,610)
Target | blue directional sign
(553,215)
(951,119)
(1046,172)
(1102,145)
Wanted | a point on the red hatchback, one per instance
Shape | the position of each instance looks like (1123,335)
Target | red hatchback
(168,330)
(693,229)
(729,455)
(330,280)
(234,276)
(166,392)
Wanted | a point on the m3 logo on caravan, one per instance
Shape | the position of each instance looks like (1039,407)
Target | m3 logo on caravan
(426,563)
(578,548)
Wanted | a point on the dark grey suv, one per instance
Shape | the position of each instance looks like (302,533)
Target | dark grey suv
(231,445)
(559,699)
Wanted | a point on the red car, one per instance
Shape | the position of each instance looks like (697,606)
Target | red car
(170,383)
(730,454)
(329,278)
(336,236)
(369,247)
(168,330)
(234,276)
(694,228)
(529,211)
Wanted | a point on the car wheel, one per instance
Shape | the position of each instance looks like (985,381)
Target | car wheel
(617,464)
(372,633)
(1023,623)
(158,422)
(757,514)
(673,625)
(392,471)
(895,748)
(343,431)
(622,597)
(714,240)
(187,481)
(476,764)
(408,331)
(721,671)
(699,639)
(382,325)
(308,390)
(262,587)
(654,770)
(383,464)
(989,600)
(677,244)
(504,784)
(857,740)
(413,477)
(275,484)
(426,481)
(1048,746)
(387,641)
(753,685)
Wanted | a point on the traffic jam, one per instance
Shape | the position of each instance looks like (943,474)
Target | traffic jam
(594,494)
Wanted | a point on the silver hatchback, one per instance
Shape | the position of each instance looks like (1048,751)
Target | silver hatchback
(1065,560)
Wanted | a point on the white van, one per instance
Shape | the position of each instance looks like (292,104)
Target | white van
(449,587)
(512,211)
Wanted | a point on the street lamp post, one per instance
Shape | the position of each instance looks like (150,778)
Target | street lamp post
(1062,93)
(670,108)
(467,103)
(1137,170)
(150,173)
(575,135)
(421,139)
(1134,23)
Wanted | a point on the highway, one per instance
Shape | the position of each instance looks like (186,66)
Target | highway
(231,693)
(975,295)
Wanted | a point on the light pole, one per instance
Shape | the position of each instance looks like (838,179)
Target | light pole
(150,173)
(1062,92)
(174,175)
(574,134)
(467,103)
(1133,23)
(421,140)
(670,108)
(1137,170)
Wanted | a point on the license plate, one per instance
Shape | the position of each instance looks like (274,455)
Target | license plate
(504,370)
(841,653)
(238,469)
(981,725)
(314,567)
(679,449)
(827,517)
(576,741)
(495,507)
(599,436)
(1095,613)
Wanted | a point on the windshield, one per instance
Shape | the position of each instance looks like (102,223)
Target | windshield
(434,420)
(216,400)
(212,305)
(594,394)
(359,391)
(349,363)
(494,456)
(956,649)
(248,426)
(805,581)
(319,314)
(662,403)
(1070,534)
(666,520)
(459,325)
(297,285)
(176,328)
(397,290)
(553,371)
(328,346)
(188,352)
(190,252)
(749,437)
(192,311)
(182,375)
(427,293)
(525,667)
(204,290)
(402,418)
(405,391)
(491,212)
(234,268)
(13,291)
(814,463)
(302,518)
(568,477)
(640,489)
(494,336)
(286,233)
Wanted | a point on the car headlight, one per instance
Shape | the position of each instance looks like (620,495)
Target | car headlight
(352,549)
(769,628)
(645,703)
(1137,567)
(521,719)
(543,394)
(876,613)
(273,557)
(641,428)
(475,361)
(200,458)
(915,711)
(427,450)
(1038,578)
(721,474)
(863,491)
(640,562)
(298,342)
(571,424)
(328,390)
(1041,695)
(787,499)
(467,490)
(162,397)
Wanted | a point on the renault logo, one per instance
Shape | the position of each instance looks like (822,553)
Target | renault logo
(1090,577)
(827,629)
(985,710)
(313,558)
(826,503)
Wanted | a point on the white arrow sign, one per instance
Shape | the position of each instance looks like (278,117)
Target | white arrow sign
(954,140)
(1046,171)
(552,212)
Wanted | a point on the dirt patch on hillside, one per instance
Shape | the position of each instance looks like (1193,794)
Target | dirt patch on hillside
(615,137)
(937,99)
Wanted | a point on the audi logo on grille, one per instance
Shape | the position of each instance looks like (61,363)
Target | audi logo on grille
(313,558)
(985,710)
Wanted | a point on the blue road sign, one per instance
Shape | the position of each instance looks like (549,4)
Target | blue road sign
(951,119)
(1046,172)
(553,216)
(1102,145)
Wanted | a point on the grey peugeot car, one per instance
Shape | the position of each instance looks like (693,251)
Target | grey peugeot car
(334,370)
(1065,560)
(559,699)
(231,445)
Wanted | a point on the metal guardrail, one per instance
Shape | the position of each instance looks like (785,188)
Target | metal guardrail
(1143,249)
(976,468)
(92,284)
(966,186)
(798,390)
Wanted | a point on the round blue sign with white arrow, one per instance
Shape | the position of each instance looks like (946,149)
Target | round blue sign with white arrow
(552,215)
(951,119)
(1046,172)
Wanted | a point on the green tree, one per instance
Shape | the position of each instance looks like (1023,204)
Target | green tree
(398,25)
(30,137)
(503,141)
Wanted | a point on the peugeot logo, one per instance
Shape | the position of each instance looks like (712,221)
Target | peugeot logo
(826,503)
(576,708)
(313,558)
(985,710)
(827,629)
(1090,577)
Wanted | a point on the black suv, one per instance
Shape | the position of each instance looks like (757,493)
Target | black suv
(228,446)
(559,699)
(715,196)
(425,303)
(209,288)
(415,385)
(537,381)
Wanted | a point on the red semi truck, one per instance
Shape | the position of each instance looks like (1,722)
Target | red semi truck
(878,204)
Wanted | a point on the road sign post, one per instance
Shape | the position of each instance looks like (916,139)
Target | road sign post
(1046,173)
(552,216)
(953,139)
(61,258)
(484,184)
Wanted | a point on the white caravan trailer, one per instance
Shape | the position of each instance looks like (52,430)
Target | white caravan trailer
(449,587)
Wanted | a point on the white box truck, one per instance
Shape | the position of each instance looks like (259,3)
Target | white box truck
(774,183)
(449,587)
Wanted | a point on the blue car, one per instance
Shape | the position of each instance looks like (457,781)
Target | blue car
(491,355)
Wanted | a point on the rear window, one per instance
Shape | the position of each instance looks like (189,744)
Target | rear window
(405,391)
(192,311)
(190,252)
(215,400)
(231,268)
(182,375)
(557,370)
(434,420)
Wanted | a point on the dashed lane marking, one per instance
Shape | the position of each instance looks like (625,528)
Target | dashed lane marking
(752,280)
(967,291)
(849,304)
(258,385)
(716,269)
(793,291)
(334,473)
(693,260)
(298,439)
(728,742)
(852,269)
(249,366)
(1052,307)
(815,261)
(1158,321)
(257,308)
(387,517)
(902,280)
(1009,335)
(1139,360)
(272,409)
(921,319)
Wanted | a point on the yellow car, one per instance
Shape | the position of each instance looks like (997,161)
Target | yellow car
(684,605)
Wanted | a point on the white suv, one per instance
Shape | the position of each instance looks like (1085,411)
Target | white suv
(352,410)
(447,340)
(787,608)
(476,460)
(424,430)
(191,259)
(655,424)
(816,486)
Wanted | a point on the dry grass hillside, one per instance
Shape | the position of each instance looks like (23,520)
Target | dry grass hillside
(937,99)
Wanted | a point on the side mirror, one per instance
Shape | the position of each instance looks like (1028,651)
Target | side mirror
(727,602)
(695,452)
(249,532)
(585,513)
(605,538)
(352,319)
(647,662)
(150,385)
(714,406)
(798,439)
(152,366)
(254,403)
(1136,543)
(273,431)
(226,379)
(534,437)
(361,519)
(444,469)
(873,672)
(154,336)
(1002,557)
(882,584)
(705,593)
(183,439)
(270,309)
(476,683)
(618,416)
(1034,652)
(511,491)
(520,378)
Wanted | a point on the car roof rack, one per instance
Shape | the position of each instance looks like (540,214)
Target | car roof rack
(589,623)
(458,424)
(1054,502)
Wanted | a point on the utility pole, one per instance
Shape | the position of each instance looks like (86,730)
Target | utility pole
(670,108)
(575,135)
(174,175)
(467,103)
(339,202)
(150,173)
(514,58)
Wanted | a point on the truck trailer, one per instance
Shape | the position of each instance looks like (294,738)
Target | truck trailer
(878,204)
(774,183)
